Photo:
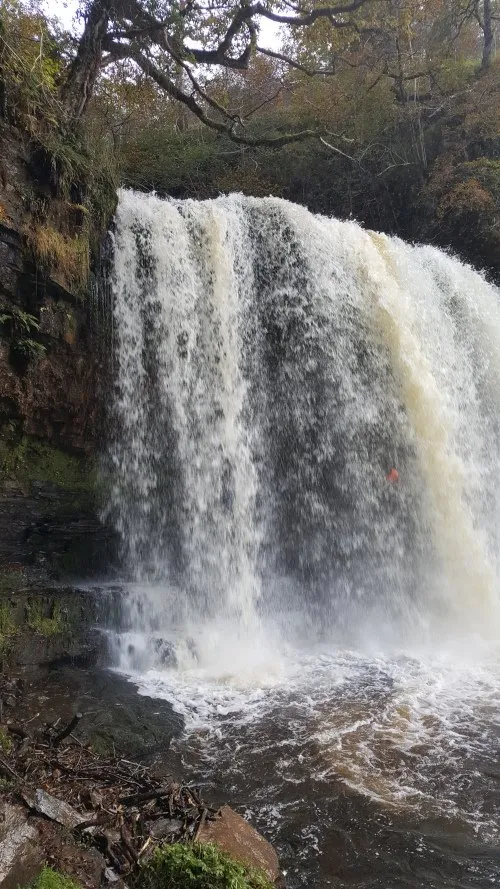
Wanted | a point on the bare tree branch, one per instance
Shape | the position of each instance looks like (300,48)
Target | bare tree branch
(311,72)
(337,150)
(308,18)
(190,101)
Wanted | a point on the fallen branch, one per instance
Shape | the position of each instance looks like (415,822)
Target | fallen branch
(200,824)
(67,731)
(157,793)
(6,770)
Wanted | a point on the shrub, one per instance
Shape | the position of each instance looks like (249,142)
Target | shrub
(197,866)
(19,327)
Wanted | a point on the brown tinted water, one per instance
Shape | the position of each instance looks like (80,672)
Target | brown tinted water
(374,772)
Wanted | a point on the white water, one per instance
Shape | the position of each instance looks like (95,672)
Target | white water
(273,366)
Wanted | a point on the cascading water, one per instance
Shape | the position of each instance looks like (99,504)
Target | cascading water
(272,368)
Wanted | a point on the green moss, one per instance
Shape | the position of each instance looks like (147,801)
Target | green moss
(52,879)
(28,460)
(5,742)
(197,866)
(32,460)
(11,581)
(56,624)
(8,627)
(102,745)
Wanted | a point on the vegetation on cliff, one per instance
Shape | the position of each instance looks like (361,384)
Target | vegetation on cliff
(27,460)
(70,190)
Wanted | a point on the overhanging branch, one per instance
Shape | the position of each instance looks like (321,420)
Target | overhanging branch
(311,72)
(227,128)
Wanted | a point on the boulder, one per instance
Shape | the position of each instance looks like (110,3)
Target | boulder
(54,809)
(85,866)
(21,856)
(238,838)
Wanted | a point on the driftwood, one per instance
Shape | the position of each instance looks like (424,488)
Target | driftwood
(145,796)
(67,731)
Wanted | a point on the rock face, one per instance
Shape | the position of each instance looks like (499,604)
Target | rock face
(238,838)
(60,535)
(52,397)
(42,628)
(51,369)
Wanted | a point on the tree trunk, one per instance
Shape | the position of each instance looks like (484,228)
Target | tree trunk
(488,40)
(79,85)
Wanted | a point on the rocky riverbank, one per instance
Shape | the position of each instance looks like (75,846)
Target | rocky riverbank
(86,771)
(100,820)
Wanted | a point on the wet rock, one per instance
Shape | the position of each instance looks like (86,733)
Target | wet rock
(54,398)
(158,653)
(238,838)
(34,649)
(49,626)
(165,653)
(165,828)
(50,408)
(85,866)
(55,809)
(21,857)
(115,717)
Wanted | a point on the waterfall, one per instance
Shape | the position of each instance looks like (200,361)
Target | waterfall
(272,368)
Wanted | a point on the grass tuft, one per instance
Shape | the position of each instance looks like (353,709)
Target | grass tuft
(60,253)
(8,628)
(5,742)
(55,625)
(52,879)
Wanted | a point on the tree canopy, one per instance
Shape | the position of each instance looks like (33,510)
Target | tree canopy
(176,45)
(176,42)
(385,110)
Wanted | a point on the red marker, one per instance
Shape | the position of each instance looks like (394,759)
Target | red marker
(393,475)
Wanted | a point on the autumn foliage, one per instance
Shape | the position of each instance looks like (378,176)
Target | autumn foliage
(403,115)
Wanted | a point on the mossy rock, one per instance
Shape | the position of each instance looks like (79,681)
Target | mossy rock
(54,624)
(8,628)
(29,460)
